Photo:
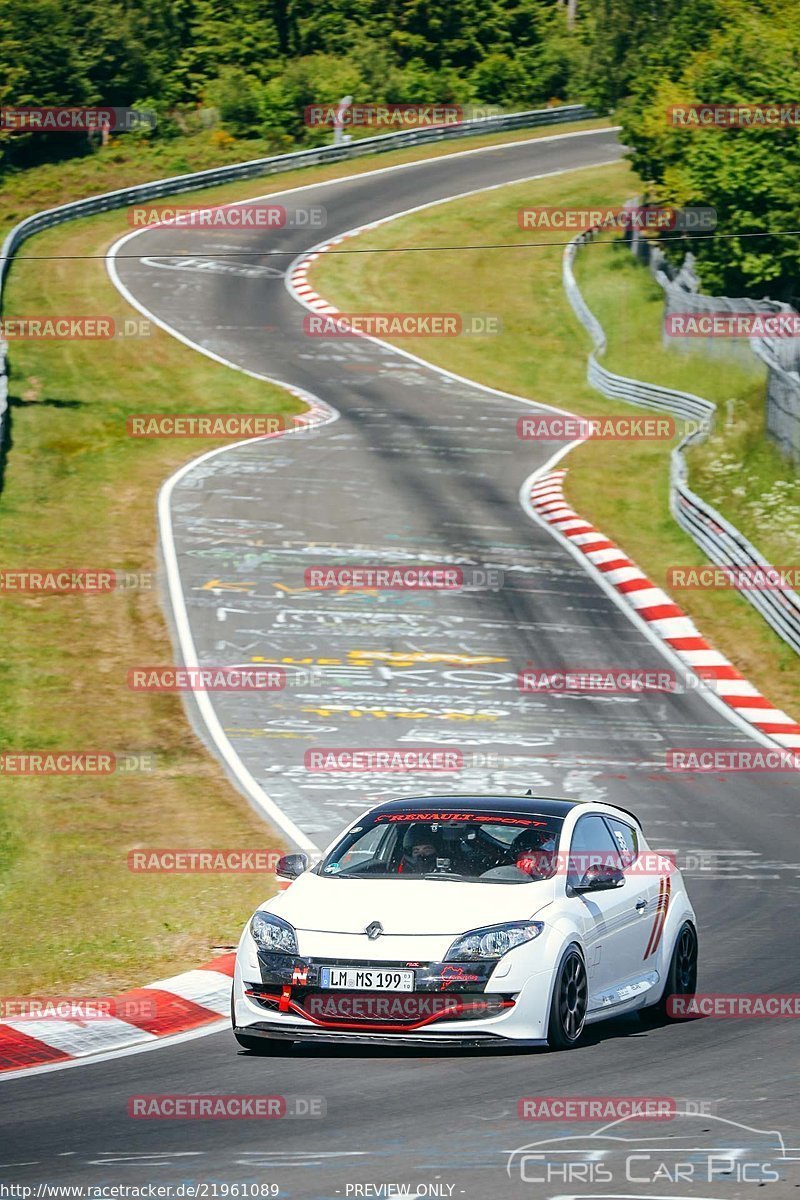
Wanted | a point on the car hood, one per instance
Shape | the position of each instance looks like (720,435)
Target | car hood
(405,906)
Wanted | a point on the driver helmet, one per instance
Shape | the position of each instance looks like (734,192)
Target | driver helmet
(532,851)
(420,847)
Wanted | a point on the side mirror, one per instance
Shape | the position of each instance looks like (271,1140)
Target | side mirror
(600,879)
(291,865)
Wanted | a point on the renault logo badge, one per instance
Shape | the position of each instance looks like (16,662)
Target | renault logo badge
(374,931)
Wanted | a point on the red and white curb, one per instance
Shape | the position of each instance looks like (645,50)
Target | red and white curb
(661,613)
(298,275)
(170,1006)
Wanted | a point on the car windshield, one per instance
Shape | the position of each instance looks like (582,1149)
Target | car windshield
(481,846)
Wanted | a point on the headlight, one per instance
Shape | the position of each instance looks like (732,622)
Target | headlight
(272,933)
(494,941)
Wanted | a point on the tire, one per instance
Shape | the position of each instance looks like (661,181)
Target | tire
(569,1003)
(681,977)
(261,1046)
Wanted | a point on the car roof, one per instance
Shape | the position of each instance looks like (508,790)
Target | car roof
(542,806)
(547,806)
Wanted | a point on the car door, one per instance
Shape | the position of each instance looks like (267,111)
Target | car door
(649,888)
(608,919)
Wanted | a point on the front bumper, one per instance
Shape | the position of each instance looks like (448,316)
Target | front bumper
(285,1003)
(368,1037)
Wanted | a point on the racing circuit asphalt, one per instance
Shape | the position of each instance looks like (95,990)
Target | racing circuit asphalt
(423,468)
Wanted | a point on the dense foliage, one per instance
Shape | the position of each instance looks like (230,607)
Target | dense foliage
(258,63)
(645,57)
(246,69)
(751,176)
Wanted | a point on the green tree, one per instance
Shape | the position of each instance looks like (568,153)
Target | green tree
(751,176)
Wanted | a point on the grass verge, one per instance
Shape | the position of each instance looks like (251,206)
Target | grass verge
(540,353)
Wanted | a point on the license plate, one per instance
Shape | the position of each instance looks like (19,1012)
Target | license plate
(371,979)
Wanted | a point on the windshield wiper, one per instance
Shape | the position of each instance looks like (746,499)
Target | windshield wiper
(355,875)
(448,875)
(396,875)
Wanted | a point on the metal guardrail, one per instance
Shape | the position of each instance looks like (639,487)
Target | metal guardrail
(682,293)
(276,163)
(783,394)
(717,538)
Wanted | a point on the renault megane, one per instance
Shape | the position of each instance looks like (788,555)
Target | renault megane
(467,920)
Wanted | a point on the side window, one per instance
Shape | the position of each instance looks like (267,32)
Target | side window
(627,841)
(592,844)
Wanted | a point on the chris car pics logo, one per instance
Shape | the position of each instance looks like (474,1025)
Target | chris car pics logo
(696,1147)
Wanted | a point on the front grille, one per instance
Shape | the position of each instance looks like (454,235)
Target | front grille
(278,970)
(398,1009)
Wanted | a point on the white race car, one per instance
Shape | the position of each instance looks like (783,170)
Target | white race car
(467,920)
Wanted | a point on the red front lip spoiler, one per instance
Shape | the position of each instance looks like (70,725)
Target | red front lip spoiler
(380,1027)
